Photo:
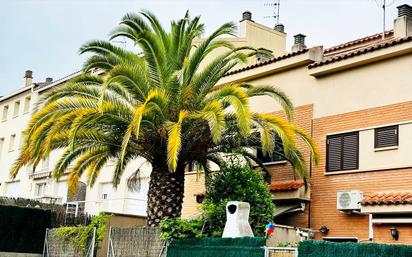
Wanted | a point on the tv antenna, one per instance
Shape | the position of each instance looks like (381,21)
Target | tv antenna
(384,4)
(276,10)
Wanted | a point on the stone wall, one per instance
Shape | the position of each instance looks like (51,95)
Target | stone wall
(136,242)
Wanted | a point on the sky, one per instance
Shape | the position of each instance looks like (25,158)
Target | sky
(44,35)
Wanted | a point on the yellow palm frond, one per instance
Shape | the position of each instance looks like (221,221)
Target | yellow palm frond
(174,141)
(215,117)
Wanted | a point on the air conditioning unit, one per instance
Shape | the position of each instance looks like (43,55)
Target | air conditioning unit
(349,200)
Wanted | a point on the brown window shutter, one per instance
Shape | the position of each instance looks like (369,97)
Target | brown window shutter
(350,151)
(334,153)
(342,152)
(387,136)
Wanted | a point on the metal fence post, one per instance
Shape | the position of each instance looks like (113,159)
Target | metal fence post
(108,241)
(45,246)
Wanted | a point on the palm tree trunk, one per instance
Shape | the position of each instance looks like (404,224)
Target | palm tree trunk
(165,195)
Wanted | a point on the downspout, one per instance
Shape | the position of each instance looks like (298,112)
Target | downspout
(310,173)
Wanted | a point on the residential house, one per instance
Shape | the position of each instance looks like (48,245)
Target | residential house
(355,99)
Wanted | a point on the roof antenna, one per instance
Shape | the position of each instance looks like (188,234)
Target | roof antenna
(383,4)
(276,10)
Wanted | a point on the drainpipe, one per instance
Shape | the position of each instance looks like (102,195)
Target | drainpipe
(370,227)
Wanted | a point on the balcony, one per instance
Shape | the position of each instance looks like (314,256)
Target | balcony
(40,175)
(128,206)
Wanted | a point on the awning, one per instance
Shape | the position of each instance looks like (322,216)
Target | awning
(387,202)
(288,208)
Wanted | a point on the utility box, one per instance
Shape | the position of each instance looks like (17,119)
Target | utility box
(237,220)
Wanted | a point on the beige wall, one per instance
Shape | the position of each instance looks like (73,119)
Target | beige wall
(194,184)
(254,35)
(398,157)
(380,83)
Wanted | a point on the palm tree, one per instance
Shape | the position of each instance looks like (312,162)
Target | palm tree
(159,105)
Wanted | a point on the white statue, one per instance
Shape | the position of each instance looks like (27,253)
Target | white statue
(237,220)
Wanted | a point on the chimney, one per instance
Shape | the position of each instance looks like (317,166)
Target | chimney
(49,80)
(403,24)
(280,27)
(247,16)
(299,43)
(28,78)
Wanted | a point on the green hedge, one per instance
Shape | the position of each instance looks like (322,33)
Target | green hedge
(22,229)
(329,249)
(217,247)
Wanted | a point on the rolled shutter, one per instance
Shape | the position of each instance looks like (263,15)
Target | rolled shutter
(334,153)
(386,136)
(343,152)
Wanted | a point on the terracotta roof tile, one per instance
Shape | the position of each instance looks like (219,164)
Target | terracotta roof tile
(360,51)
(358,41)
(383,198)
(286,186)
(272,60)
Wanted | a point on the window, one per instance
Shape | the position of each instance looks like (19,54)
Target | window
(191,166)
(387,136)
(62,190)
(40,189)
(27,101)
(1,146)
(341,239)
(5,112)
(22,140)
(342,152)
(12,141)
(16,109)
(13,189)
(276,156)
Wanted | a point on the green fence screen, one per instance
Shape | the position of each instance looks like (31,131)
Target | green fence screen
(217,247)
(329,249)
(23,229)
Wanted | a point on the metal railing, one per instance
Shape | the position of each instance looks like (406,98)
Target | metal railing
(125,205)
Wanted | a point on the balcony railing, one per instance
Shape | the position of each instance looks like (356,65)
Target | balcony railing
(130,206)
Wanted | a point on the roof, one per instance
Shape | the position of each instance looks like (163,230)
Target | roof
(384,198)
(39,86)
(362,50)
(269,61)
(358,41)
(339,52)
(285,186)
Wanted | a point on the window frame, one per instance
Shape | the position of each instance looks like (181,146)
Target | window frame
(12,142)
(377,130)
(27,103)
(5,112)
(342,136)
(16,109)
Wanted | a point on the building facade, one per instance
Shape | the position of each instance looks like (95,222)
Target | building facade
(355,99)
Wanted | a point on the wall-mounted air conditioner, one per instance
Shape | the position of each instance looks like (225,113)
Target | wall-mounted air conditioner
(349,200)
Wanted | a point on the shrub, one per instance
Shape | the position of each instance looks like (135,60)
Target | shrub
(181,229)
(231,183)
(237,183)
(80,236)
